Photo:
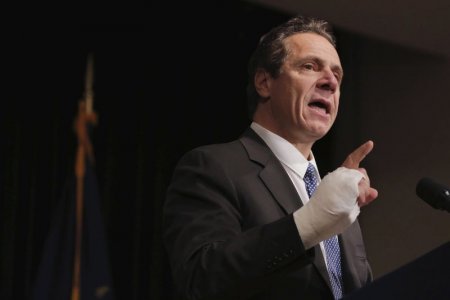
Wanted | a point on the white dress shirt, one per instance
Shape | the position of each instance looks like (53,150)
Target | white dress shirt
(293,162)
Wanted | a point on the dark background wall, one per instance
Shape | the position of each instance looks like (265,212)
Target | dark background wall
(164,85)
(403,109)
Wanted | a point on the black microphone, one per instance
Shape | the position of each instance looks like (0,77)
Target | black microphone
(433,193)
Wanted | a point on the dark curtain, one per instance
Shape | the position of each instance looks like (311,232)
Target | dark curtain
(161,87)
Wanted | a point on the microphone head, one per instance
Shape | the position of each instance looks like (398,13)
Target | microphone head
(433,193)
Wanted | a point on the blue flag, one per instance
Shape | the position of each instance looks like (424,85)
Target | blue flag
(55,273)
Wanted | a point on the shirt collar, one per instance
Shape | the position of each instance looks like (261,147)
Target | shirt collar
(284,150)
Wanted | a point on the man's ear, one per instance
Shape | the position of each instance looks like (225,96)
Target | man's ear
(262,83)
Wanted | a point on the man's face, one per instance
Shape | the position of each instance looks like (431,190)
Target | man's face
(303,100)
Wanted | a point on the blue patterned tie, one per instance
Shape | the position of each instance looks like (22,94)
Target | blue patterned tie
(331,245)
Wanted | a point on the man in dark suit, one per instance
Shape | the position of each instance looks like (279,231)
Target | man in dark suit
(252,219)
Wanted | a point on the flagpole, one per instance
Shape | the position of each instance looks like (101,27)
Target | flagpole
(85,116)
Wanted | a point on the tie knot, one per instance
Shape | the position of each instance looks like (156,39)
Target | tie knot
(310,179)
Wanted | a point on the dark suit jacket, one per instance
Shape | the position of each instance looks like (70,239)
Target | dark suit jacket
(230,234)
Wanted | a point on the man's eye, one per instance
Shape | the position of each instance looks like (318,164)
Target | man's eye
(338,76)
(308,66)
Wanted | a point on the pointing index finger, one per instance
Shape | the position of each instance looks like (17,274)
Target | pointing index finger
(354,159)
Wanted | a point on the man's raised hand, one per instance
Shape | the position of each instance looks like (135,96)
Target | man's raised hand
(366,193)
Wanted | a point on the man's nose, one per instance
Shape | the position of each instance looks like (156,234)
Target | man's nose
(328,81)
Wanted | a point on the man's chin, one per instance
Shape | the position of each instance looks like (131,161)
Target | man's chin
(320,131)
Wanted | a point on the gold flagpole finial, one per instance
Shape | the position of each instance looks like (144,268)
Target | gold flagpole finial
(89,84)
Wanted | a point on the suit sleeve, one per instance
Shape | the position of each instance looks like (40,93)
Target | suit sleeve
(211,256)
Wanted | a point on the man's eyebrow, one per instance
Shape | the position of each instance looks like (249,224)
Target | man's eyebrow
(321,62)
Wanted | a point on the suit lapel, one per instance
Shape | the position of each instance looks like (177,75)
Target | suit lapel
(272,173)
(279,184)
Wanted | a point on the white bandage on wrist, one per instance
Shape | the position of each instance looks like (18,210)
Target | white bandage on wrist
(332,208)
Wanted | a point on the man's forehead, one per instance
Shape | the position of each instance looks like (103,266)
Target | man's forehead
(312,44)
